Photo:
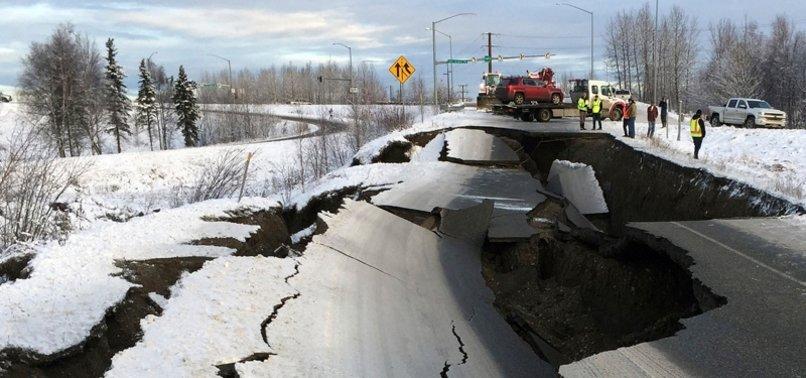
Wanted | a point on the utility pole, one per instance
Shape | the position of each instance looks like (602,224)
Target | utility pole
(490,53)
(434,50)
(463,86)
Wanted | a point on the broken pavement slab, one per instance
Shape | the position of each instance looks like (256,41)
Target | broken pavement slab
(577,182)
(470,224)
(759,266)
(456,186)
(392,299)
(476,147)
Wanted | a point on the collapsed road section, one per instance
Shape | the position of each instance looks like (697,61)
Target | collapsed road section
(384,297)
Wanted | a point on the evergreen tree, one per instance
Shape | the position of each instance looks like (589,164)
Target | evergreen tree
(118,105)
(146,103)
(186,109)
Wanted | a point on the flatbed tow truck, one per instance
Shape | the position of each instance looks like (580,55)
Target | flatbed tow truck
(541,112)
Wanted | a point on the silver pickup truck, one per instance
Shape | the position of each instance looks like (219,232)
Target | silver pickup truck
(747,112)
(5,97)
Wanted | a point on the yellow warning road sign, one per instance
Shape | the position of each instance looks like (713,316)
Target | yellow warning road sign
(402,69)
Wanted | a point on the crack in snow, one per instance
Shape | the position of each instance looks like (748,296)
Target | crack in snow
(296,271)
(447,367)
(278,306)
(273,316)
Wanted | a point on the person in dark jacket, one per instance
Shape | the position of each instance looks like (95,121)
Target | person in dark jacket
(697,128)
(664,111)
(652,115)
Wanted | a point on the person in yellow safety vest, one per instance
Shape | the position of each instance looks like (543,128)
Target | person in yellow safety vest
(582,106)
(596,109)
(697,126)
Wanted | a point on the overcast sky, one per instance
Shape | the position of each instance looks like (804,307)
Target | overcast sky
(255,34)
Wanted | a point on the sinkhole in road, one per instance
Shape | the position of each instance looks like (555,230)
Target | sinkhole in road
(577,293)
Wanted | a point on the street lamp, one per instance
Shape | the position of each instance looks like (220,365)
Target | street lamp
(229,68)
(434,49)
(148,60)
(449,65)
(350,67)
(591,14)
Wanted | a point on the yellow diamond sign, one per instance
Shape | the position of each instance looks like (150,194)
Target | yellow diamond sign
(402,69)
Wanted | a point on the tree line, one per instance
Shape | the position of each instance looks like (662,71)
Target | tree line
(324,83)
(738,60)
(76,96)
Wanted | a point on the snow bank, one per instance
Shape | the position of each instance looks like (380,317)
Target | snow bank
(214,317)
(431,151)
(71,286)
(767,159)
(367,176)
(373,148)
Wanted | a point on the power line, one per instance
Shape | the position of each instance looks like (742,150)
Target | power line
(543,36)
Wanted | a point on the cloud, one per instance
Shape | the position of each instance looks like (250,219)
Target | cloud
(410,40)
(206,23)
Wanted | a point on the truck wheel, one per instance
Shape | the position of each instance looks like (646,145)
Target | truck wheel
(527,117)
(617,114)
(750,122)
(715,120)
(519,99)
(544,115)
(556,99)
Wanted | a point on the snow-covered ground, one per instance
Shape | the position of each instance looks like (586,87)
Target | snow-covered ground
(339,113)
(72,285)
(139,181)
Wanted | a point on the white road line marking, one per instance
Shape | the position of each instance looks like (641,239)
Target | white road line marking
(712,240)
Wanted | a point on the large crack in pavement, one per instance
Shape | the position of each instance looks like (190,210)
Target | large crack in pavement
(447,367)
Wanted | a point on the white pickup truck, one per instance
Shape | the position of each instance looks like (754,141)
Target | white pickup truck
(746,112)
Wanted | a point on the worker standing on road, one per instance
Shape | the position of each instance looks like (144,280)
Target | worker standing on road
(625,120)
(582,106)
(697,126)
(632,111)
(652,115)
(664,111)
(596,109)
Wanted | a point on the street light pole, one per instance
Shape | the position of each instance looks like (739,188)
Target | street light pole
(434,49)
(591,14)
(655,58)
(350,64)
(229,68)
(434,56)
(449,68)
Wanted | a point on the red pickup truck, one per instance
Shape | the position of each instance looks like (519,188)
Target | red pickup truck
(521,90)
